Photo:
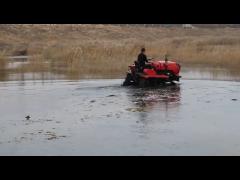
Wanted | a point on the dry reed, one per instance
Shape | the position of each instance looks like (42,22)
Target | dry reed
(108,50)
(2,60)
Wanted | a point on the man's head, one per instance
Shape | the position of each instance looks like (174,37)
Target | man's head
(143,50)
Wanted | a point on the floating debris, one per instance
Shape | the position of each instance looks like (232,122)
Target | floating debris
(52,138)
(62,136)
(234,99)
(51,135)
(49,120)
(135,109)
(93,101)
(28,117)
(111,95)
(117,116)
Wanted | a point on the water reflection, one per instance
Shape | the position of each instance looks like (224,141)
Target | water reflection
(162,98)
(22,76)
(154,100)
(3,75)
(13,71)
(154,105)
(209,73)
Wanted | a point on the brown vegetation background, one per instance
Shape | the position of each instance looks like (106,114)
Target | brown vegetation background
(109,49)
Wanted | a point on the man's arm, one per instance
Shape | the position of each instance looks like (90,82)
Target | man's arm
(145,58)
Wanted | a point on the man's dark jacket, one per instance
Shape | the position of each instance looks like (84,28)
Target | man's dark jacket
(142,59)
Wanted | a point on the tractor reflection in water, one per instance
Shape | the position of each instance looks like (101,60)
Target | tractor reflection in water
(154,105)
(157,100)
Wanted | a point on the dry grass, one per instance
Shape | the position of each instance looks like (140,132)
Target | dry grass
(36,64)
(211,51)
(113,59)
(108,50)
(91,59)
(2,60)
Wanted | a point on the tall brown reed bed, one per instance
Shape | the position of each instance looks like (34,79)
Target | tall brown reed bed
(2,60)
(107,50)
(90,59)
(115,58)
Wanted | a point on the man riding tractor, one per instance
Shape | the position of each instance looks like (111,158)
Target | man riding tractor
(152,72)
(142,59)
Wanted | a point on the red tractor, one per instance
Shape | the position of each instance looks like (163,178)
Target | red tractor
(155,72)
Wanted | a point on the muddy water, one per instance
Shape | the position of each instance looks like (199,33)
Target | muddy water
(99,117)
(199,116)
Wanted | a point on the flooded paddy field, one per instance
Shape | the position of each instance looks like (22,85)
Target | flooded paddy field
(61,93)
(100,117)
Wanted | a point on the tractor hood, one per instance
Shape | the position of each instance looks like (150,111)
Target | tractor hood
(170,65)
